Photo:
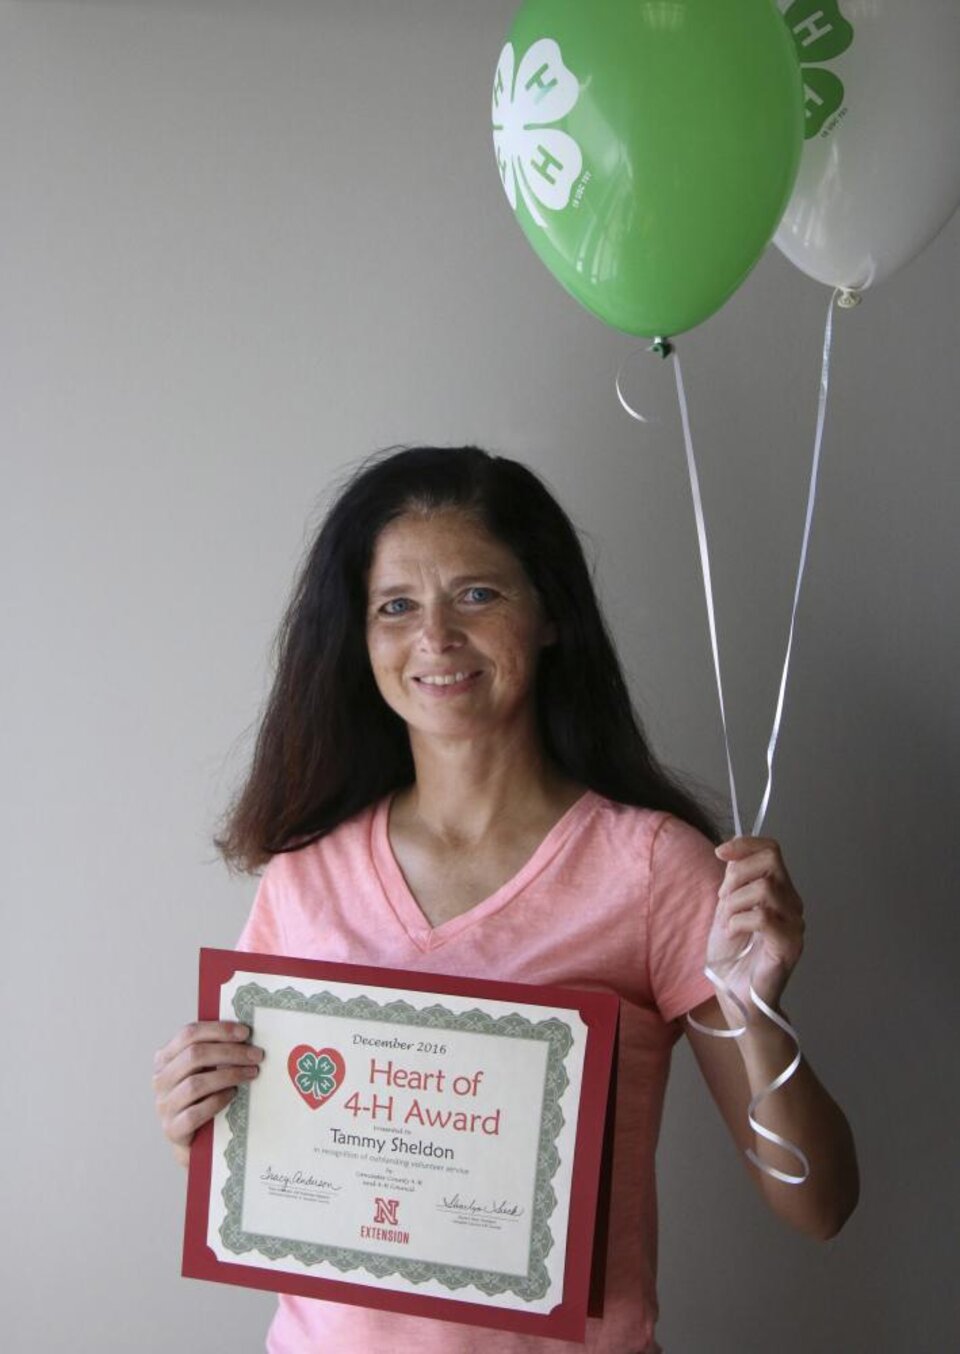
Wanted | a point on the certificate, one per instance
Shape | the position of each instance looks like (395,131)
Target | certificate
(413,1142)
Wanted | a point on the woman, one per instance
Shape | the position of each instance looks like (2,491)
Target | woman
(450,777)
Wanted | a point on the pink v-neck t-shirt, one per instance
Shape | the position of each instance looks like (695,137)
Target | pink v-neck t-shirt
(614,897)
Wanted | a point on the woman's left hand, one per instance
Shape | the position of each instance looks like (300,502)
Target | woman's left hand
(756,898)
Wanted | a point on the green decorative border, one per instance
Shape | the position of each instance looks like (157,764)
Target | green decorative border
(559,1039)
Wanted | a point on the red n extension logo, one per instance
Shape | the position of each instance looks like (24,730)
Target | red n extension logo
(385,1211)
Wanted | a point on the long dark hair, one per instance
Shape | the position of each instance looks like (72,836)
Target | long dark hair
(329,745)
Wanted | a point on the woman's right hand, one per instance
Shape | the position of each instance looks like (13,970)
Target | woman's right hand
(196,1075)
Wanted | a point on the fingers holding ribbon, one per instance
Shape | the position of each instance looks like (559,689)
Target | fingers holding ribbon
(757,904)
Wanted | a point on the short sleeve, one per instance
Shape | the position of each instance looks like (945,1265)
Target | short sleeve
(263,933)
(685,876)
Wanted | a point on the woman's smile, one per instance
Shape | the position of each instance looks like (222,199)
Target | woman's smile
(448,685)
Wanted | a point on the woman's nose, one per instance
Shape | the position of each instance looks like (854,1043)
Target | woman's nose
(439,630)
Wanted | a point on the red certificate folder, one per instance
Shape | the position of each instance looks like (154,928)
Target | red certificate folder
(403,1106)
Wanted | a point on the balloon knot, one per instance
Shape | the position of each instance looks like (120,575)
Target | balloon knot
(662,347)
(848,298)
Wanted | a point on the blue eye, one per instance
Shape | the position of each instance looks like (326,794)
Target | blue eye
(397,606)
(486,594)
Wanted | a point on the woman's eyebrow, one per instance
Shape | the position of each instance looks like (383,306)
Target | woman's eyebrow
(478,575)
(391,590)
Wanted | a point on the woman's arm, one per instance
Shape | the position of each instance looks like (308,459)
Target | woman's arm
(801,1111)
(757,899)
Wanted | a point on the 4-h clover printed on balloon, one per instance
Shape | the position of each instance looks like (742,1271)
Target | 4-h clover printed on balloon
(316,1073)
(535,158)
(820,33)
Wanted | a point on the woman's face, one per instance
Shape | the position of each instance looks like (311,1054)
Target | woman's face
(454,626)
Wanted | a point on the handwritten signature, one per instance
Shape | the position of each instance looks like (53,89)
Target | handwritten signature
(495,1208)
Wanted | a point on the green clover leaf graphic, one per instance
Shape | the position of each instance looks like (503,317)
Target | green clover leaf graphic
(316,1076)
(820,33)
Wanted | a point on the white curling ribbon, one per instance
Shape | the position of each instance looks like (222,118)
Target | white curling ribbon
(712,965)
(767,1133)
(710,969)
(634,413)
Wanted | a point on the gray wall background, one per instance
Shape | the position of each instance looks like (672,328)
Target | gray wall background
(243,244)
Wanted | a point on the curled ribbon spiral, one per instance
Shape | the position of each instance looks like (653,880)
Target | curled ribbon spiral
(665,349)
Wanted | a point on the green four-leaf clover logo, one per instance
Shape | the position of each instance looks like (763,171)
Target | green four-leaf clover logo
(820,33)
(316,1076)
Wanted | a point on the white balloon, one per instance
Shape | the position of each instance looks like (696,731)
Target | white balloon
(880,171)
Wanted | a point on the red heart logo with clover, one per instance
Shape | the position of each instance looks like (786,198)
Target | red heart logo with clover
(316,1073)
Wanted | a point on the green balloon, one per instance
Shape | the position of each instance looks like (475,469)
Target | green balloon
(649,148)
